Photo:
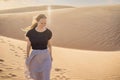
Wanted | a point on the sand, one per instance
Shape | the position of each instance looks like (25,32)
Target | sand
(85,43)
(68,64)
(89,28)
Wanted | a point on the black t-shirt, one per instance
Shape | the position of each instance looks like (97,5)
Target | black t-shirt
(39,40)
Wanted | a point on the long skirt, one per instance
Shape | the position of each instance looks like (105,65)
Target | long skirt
(38,65)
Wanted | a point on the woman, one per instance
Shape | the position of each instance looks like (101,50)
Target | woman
(39,61)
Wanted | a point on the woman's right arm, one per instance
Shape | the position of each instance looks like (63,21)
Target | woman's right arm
(28,46)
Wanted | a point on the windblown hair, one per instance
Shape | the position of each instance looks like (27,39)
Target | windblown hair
(35,22)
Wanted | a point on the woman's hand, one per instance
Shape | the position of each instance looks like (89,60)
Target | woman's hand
(27,56)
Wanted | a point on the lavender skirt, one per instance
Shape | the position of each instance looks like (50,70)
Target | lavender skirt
(38,62)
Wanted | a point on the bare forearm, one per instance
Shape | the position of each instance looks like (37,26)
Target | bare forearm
(50,49)
(28,50)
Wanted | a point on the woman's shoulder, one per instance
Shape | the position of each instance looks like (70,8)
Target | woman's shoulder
(49,33)
(30,30)
(49,30)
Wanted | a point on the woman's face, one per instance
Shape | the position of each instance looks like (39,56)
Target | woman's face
(42,22)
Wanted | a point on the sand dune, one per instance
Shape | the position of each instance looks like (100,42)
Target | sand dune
(95,28)
(32,9)
(68,64)
(89,28)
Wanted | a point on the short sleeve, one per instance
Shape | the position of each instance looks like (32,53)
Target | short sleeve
(28,34)
(50,35)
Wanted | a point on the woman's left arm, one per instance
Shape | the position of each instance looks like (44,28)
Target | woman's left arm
(50,48)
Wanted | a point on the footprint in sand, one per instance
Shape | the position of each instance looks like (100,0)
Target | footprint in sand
(15,52)
(1,60)
(12,50)
(1,70)
(58,69)
(60,74)
(23,50)
(61,71)
(17,55)
(12,75)
(5,76)
(20,48)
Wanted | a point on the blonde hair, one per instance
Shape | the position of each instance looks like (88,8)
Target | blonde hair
(35,22)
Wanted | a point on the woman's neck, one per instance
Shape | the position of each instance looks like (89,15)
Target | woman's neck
(40,29)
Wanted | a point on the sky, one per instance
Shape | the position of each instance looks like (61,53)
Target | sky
(6,4)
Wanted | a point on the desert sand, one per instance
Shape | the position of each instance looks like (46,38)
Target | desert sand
(68,64)
(88,28)
(85,43)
